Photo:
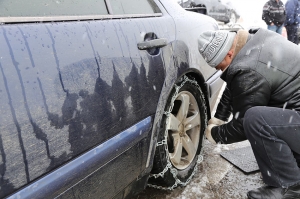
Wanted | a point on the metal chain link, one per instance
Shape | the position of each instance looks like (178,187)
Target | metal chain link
(161,143)
(161,174)
(174,171)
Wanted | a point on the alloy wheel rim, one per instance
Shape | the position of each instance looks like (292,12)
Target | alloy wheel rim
(183,130)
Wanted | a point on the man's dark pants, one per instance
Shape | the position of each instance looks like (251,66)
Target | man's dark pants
(274,134)
(292,33)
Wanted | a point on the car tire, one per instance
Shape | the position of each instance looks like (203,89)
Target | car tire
(180,140)
(202,10)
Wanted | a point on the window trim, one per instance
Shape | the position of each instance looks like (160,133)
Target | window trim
(4,20)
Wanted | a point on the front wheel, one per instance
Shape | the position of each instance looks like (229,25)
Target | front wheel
(180,140)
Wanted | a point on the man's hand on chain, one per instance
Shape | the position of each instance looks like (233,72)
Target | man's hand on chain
(212,123)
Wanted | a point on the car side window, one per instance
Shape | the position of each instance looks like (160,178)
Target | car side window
(46,8)
(121,7)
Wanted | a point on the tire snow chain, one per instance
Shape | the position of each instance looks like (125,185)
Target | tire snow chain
(164,142)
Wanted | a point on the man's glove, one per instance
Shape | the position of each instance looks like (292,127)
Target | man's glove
(212,123)
(208,133)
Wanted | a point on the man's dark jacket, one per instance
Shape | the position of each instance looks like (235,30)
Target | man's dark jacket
(274,12)
(266,72)
(292,12)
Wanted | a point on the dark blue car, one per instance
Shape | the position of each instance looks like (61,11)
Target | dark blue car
(100,98)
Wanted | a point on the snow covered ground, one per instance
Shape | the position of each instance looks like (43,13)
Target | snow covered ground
(251,13)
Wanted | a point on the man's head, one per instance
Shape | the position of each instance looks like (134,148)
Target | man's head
(216,48)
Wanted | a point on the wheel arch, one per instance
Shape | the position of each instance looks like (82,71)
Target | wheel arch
(198,76)
(195,77)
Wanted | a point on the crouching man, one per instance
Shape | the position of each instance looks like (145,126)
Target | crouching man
(262,72)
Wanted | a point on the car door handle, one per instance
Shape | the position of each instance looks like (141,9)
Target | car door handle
(155,43)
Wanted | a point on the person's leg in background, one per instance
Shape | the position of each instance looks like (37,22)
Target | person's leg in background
(274,135)
(272,28)
(279,29)
(292,33)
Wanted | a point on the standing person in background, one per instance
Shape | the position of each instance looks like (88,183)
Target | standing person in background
(274,15)
(292,20)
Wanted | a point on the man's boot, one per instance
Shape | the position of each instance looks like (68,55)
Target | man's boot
(267,192)
(293,192)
